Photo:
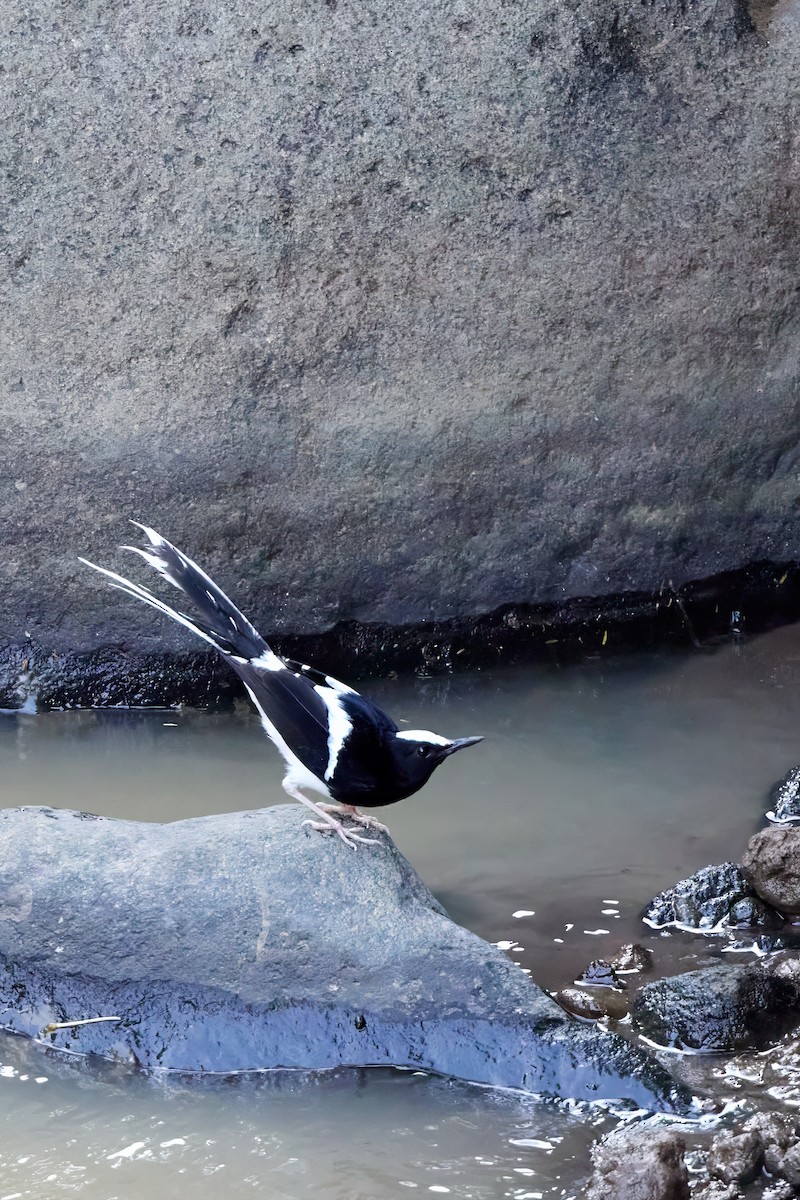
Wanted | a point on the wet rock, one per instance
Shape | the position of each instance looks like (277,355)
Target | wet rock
(632,957)
(779,1191)
(639,1163)
(736,1157)
(779,1137)
(594,1004)
(785,798)
(723,1007)
(600,974)
(716,896)
(772,866)
(246,941)
(716,1190)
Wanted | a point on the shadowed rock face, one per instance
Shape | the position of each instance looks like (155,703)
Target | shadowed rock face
(248,941)
(726,1007)
(394,313)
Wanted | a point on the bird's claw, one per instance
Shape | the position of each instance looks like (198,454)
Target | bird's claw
(348,837)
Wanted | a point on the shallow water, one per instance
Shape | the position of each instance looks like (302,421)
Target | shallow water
(598,785)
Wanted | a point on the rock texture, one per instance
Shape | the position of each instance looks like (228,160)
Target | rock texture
(785,798)
(718,1008)
(248,941)
(639,1163)
(772,866)
(393,313)
(715,897)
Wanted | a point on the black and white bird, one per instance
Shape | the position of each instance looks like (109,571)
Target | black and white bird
(333,740)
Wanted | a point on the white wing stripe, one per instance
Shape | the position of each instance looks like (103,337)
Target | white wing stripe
(339,726)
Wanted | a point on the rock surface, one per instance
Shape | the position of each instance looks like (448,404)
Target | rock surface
(715,897)
(639,1163)
(320,269)
(785,798)
(772,866)
(718,1008)
(736,1157)
(248,941)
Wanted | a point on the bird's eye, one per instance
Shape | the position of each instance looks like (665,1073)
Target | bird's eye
(423,751)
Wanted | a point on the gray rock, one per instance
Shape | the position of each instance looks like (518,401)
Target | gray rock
(601,974)
(779,1136)
(247,941)
(639,1163)
(593,1004)
(723,1007)
(315,271)
(716,896)
(736,1157)
(785,798)
(716,1190)
(779,1191)
(632,957)
(772,866)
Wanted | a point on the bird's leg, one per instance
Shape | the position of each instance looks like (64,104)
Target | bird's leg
(328,824)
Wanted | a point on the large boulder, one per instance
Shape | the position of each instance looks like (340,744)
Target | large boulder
(717,1008)
(246,940)
(317,269)
(772,866)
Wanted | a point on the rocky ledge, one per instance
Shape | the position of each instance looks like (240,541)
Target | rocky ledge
(247,941)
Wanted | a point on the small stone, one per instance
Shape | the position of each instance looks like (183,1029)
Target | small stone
(632,957)
(736,1157)
(642,1162)
(772,866)
(599,973)
(593,1005)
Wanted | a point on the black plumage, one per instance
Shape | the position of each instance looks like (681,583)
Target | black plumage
(332,739)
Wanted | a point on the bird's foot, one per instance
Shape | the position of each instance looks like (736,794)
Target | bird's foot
(348,837)
(350,810)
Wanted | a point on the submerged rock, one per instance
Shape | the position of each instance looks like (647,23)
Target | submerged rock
(247,941)
(641,1162)
(771,864)
(631,958)
(785,798)
(715,897)
(600,974)
(718,1008)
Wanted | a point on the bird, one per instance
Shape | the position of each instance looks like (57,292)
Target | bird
(333,740)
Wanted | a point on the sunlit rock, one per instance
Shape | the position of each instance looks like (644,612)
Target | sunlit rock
(736,1157)
(643,1162)
(248,941)
(772,866)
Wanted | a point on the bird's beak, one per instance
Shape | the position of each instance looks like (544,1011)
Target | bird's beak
(460,743)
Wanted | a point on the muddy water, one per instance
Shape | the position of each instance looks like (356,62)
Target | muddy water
(597,785)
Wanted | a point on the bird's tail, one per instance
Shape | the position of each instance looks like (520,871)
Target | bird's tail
(221,623)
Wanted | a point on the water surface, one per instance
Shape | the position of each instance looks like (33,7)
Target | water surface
(597,785)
